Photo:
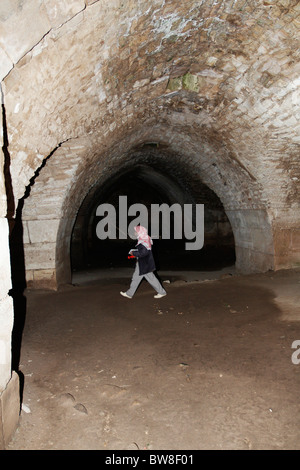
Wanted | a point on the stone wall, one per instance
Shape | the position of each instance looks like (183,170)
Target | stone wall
(216,82)
(9,382)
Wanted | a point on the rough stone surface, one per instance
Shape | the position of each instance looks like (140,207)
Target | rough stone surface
(215,82)
(6,322)
(6,306)
(9,410)
(3,202)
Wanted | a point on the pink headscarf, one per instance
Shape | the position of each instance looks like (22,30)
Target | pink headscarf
(143,236)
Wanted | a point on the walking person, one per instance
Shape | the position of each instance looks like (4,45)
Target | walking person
(145,265)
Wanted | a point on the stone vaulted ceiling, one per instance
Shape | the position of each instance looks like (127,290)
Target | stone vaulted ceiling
(215,83)
(225,72)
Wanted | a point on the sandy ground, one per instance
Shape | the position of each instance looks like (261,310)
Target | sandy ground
(209,366)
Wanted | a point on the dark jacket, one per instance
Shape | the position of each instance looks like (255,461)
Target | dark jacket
(145,259)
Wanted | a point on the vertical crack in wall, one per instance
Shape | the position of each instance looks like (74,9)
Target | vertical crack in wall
(37,172)
(16,243)
(18,272)
(6,167)
(19,302)
(16,253)
(16,239)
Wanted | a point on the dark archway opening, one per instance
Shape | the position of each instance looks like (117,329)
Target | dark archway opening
(147,185)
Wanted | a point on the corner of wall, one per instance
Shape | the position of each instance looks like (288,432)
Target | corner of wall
(9,410)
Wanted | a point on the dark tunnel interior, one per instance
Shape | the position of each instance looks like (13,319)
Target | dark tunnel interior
(151,184)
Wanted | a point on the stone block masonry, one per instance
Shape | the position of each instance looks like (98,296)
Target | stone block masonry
(9,410)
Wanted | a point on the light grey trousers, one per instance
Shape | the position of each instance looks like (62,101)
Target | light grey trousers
(150,277)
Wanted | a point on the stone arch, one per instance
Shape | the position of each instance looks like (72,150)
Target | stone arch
(145,176)
(150,71)
(149,180)
(47,251)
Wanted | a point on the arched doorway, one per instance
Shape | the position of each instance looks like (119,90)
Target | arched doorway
(144,184)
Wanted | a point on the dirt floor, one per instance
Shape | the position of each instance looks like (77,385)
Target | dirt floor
(209,366)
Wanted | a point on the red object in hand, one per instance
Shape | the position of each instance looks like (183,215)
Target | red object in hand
(130,256)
